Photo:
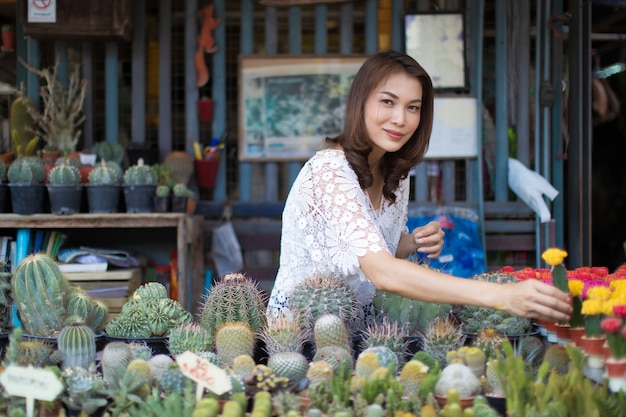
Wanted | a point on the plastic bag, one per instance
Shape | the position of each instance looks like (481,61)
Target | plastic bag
(530,187)
(225,250)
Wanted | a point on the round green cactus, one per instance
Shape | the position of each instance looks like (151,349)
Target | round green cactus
(77,343)
(140,174)
(330,330)
(26,170)
(163,191)
(109,151)
(192,337)
(39,291)
(64,174)
(105,172)
(234,339)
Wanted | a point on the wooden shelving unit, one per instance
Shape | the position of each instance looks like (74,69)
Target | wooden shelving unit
(189,239)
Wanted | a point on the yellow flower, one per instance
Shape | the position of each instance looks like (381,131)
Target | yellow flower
(575,287)
(600,292)
(554,256)
(607,306)
(592,307)
(618,286)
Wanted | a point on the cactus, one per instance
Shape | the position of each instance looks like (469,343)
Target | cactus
(330,330)
(476,359)
(242,365)
(140,350)
(337,357)
(140,174)
(442,336)
(459,377)
(115,356)
(93,313)
(235,298)
(315,296)
(105,172)
(158,364)
(264,379)
(162,191)
(557,358)
(234,339)
(206,407)
(282,334)
(150,291)
(411,376)
(365,364)
(172,379)
(5,299)
(22,124)
(34,352)
(192,337)
(77,343)
(389,334)
(39,290)
(3,171)
(386,357)
(64,174)
(131,323)
(26,170)
(86,390)
(140,369)
(109,151)
(98,316)
(291,365)
(319,372)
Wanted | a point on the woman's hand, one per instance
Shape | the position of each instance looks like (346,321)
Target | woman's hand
(534,299)
(429,239)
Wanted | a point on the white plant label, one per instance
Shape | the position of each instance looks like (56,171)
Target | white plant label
(204,373)
(31,383)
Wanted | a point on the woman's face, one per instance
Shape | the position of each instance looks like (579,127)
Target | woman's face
(393,112)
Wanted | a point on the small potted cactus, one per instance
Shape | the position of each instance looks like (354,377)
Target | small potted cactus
(26,176)
(103,188)
(180,198)
(65,189)
(140,182)
(162,199)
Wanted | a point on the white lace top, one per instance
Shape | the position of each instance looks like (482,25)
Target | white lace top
(328,222)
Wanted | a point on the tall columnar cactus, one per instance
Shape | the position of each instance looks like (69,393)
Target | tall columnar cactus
(140,174)
(319,295)
(106,172)
(39,290)
(23,125)
(77,343)
(5,299)
(235,298)
(64,174)
(26,170)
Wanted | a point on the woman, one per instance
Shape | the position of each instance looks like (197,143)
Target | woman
(346,211)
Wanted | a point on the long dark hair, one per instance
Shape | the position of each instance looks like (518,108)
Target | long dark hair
(354,139)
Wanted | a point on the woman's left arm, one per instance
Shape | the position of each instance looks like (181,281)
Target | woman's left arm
(426,239)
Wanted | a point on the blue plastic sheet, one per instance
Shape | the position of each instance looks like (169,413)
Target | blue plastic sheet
(463,254)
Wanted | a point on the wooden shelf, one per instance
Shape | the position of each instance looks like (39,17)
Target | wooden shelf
(189,237)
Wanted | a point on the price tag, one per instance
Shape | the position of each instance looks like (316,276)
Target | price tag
(31,383)
(204,373)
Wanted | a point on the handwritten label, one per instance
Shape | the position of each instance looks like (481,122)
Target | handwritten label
(31,383)
(204,373)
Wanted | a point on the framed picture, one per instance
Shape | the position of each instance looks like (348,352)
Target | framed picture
(288,104)
(437,42)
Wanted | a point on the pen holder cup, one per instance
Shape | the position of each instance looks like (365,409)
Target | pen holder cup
(206,171)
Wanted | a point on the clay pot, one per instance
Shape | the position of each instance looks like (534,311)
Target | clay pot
(575,333)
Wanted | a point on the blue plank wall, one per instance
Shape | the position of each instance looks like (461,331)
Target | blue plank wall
(261,186)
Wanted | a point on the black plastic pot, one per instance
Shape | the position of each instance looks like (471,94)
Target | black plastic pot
(65,199)
(139,198)
(162,204)
(179,204)
(27,198)
(103,198)
(4,197)
(158,345)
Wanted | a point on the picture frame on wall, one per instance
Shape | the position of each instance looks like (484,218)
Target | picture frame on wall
(437,41)
(288,104)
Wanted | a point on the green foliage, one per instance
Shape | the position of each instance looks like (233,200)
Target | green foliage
(85,390)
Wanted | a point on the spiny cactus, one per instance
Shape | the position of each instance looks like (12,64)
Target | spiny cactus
(338,357)
(26,170)
(172,379)
(234,339)
(64,174)
(386,357)
(37,353)
(109,151)
(291,365)
(105,172)
(460,378)
(330,330)
(115,356)
(389,334)
(192,337)
(442,336)
(163,191)
(140,174)
(5,299)
(234,298)
(319,372)
(315,296)
(23,126)
(365,364)
(262,378)
(557,358)
(39,290)
(242,365)
(476,359)
(282,334)
(140,368)
(150,291)
(411,376)
(77,343)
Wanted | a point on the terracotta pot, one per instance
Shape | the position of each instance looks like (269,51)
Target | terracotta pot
(592,345)
(615,367)
(8,40)
(562,332)
(575,333)
(465,402)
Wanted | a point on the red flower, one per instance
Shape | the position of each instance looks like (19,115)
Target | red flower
(611,324)
(507,269)
(620,311)
(600,271)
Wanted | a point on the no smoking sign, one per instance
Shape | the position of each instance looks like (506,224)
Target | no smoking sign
(42,11)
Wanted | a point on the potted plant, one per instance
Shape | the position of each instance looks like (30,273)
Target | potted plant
(65,189)
(139,186)
(3,186)
(58,122)
(8,37)
(181,197)
(162,199)
(103,188)
(26,176)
